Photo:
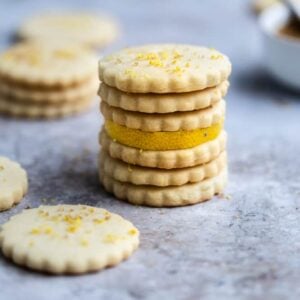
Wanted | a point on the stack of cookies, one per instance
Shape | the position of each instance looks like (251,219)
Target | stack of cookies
(39,80)
(163,142)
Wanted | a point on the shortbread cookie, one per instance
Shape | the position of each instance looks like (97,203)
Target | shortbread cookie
(163,103)
(72,93)
(165,68)
(68,239)
(13,183)
(123,172)
(86,29)
(176,121)
(47,111)
(47,65)
(169,159)
(187,194)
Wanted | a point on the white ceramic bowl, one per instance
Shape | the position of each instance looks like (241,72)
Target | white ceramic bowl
(282,54)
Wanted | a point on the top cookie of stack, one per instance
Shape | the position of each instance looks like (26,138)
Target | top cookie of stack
(46,80)
(164,110)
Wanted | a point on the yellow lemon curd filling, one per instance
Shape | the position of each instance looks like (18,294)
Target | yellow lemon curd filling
(162,140)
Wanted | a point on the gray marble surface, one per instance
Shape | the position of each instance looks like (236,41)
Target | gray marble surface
(247,247)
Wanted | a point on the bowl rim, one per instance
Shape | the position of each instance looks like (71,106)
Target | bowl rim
(272,19)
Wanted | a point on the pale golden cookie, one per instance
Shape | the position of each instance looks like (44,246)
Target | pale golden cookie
(82,28)
(68,239)
(73,93)
(169,159)
(165,68)
(187,194)
(163,103)
(124,172)
(47,65)
(48,111)
(175,121)
(13,183)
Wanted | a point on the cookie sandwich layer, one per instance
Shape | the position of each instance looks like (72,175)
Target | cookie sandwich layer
(162,140)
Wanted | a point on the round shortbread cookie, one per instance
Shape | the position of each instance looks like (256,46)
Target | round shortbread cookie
(73,93)
(13,183)
(68,239)
(187,194)
(123,172)
(87,29)
(168,159)
(202,118)
(47,65)
(163,103)
(45,111)
(165,68)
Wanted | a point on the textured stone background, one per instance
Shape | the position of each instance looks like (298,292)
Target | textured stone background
(243,248)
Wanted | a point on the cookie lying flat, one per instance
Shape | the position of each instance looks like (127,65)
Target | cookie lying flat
(187,194)
(67,94)
(176,121)
(13,183)
(163,103)
(168,159)
(86,29)
(123,172)
(47,65)
(47,111)
(68,239)
(165,68)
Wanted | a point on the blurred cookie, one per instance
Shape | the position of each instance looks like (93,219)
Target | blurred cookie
(33,110)
(39,80)
(42,95)
(13,183)
(82,28)
(47,65)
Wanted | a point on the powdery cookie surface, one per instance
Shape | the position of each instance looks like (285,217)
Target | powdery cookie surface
(165,68)
(68,239)
(169,159)
(124,172)
(46,64)
(87,29)
(175,121)
(33,110)
(13,183)
(73,93)
(163,103)
(187,194)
